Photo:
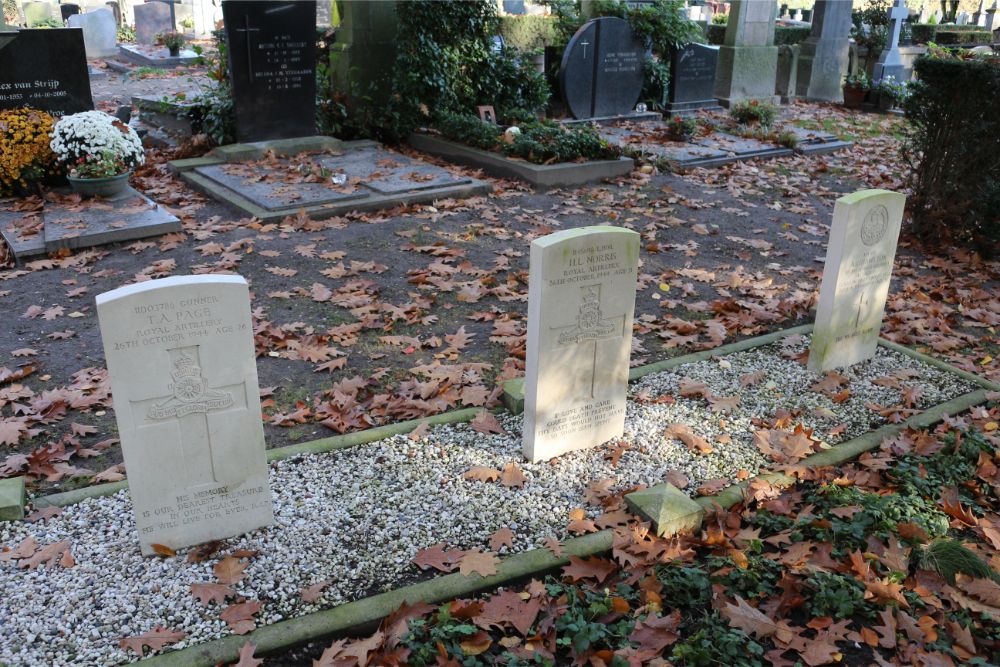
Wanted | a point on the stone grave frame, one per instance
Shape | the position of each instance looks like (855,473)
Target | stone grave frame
(659,503)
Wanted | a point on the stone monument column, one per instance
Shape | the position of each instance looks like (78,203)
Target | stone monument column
(889,62)
(365,51)
(748,60)
(992,22)
(823,55)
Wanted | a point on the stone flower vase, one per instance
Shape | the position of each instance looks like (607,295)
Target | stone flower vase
(99,187)
(854,97)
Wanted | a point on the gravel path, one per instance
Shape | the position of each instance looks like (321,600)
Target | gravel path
(357,517)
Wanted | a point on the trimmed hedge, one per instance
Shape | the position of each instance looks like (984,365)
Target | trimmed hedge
(954,114)
(716,34)
(529,33)
(924,33)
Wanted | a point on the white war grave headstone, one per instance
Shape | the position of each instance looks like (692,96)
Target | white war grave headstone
(859,260)
(184,382)
(581,299)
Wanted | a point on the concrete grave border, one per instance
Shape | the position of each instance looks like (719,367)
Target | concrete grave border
(538,175)
(284,147)
(362,615)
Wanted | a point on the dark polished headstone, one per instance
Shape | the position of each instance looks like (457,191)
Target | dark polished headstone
(68,9)
(272,67)
(692,78)
(46,69)
(602,69)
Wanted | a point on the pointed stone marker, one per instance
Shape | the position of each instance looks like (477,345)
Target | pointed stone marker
(669,508)
(184,382)
(581,298)
(12,498)
(859,259)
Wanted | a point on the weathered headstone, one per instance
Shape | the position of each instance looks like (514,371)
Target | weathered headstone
(100,32)
(823,55)
(890,62)
(692,78)
(151,19)
(272,67)
(748,60)
(859,261)
(992,21)
(581,298)
(36,12)
(602,69)
(184,382)
(45,69)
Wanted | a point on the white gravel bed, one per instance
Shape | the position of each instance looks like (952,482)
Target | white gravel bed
(358,516)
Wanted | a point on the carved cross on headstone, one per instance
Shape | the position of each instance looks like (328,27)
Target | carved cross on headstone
(897,15)
(246,29)
(591,325)
(188,404)
(585,45)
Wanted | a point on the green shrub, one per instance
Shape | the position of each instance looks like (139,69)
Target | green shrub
(713,642)
(527,32)
(925,33)
(540,142)
(836,595)
(720,19)
(788,139)
(955,174)
(783,35)
(126,33)
(754,111)
(48,22)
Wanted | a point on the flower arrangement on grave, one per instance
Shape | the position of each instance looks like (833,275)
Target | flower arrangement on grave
(25,155)
(98,151)
(681,128)
(891,93)
(749,112)
(172,40)
(856,87)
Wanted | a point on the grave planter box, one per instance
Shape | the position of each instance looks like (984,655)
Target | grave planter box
(156,57)
(538,175)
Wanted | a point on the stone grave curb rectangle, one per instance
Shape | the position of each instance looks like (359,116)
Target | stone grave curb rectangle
(361,615)
(131,54)
(823,147)
(373,203)
(278,453)
(633,117)
(538,175)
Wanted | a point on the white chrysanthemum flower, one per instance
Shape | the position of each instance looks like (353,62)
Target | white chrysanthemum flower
(94,133)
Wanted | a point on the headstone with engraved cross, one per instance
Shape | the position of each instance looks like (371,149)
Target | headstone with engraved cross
(859,259)
(890,62)
(581,298)
(184,382)
(272,67)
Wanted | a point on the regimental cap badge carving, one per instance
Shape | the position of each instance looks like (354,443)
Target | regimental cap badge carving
(590,321)
(875,225)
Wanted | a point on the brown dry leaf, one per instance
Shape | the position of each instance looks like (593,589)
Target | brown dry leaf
(502,537)
(312,593)
(751,621)
(208,593)
(588,568)
(655,633)
(953,507)
(486,422)
(553,545)
(512,477)
(240,616)
(476,644)
(691,440)
(246,656)
(478,562)
(229,570)
(155,639)
(438,557)
(163,550)
(482,474)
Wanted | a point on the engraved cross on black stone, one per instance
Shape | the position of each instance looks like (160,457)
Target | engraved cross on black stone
(247,30)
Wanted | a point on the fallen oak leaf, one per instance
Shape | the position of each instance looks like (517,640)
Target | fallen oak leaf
(229,570)
(240,616)
(246,656)
(482,474)
(486,422)
(512,477)
(438,557)
(312,593)
(478,562)
(502,537)
(655,633)
(748,619)
(588,568)
(209,593)
(155,639)
(163,550)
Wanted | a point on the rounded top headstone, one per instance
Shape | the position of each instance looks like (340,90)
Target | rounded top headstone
(602,69)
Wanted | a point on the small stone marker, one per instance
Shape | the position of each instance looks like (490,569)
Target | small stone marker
(859,260)
(100,32)
(45,69)
(669,509)
(602,69)
(151,19)
(184,382)
(581,298)
(13,498)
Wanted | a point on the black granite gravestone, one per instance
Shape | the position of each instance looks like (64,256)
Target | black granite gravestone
(692,78)
(44,69)
(67,9)
(602,69)
(272,67)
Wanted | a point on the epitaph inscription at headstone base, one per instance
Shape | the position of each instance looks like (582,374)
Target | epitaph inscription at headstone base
(45,69)
(581,299)
(272,67)
(151,19)
(602,69)
(184,383)
(859,260)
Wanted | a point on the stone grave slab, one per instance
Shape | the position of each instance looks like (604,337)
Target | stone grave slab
(692,78)
(742,147)
(859,260)
(151,19)
(155,56)
(45,69)
(581,300)
(183,370)
(373,178)
(272,67)
(602,69)
(100,32)
(66,223)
